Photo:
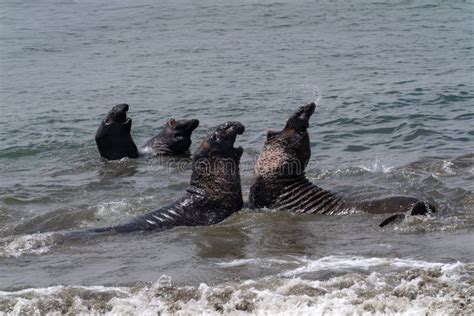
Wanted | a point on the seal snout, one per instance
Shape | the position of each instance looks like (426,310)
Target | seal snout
(193,124)
(119,113)
(239,129)
(234,127)
(122,107)
(307,110)
(231,129)
(186,127)
(310,106)
(300,118)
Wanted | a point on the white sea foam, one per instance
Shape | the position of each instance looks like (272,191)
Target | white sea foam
(334,263)
(35,244)
(447,167)
(147,150)
(122,208)
(114,208)
(433,223)
(414,287)
(264,263)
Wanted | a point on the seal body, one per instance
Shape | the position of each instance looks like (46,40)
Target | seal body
(214,192)
(113,137)
(174,139)
(280,182)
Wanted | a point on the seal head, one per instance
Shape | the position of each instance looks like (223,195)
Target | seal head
(216,165)
(113,137)
(287,152)
(174,139)
(220,143)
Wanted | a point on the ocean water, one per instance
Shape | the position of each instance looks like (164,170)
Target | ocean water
(394,87)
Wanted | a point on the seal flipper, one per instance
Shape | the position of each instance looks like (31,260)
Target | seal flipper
(397,218)
(90,232)
(420,208)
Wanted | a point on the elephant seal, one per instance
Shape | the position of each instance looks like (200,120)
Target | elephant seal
(174,139)
(280,182)
(114,141)
(213,195)
(113,137)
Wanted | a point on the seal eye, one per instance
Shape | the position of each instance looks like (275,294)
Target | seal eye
(214,137)
(106,122)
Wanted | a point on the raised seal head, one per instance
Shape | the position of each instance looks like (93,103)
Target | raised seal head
(287,152)
(113,137)
(174,139)
(216,165)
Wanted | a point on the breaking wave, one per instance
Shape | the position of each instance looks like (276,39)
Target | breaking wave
(392,286)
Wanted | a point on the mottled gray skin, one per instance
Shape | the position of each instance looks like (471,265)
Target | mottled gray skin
(280,182)
(113,137)
(174,139)
(213,195)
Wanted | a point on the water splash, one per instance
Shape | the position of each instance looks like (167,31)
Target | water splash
(114,208)
(377,166)
(35,244)
(303,93)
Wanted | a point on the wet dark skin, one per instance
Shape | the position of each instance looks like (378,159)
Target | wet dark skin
(280,182)
(174,139)
(113,137)
(213,195)
(115,142)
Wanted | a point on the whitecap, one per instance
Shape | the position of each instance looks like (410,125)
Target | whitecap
(437,289)
(335,263)
(35,244)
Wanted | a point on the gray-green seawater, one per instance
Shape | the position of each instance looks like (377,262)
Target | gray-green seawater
(394,87)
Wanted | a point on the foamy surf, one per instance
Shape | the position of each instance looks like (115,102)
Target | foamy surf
(121,209)
(256,262)
(434,223)
(338,263)
(34,244)
(409,287)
